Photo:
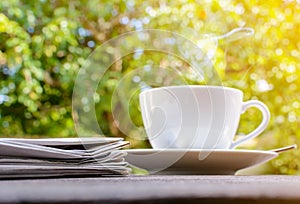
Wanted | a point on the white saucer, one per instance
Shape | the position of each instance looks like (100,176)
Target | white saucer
(196,161)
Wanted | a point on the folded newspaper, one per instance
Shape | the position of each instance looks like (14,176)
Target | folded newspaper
(57,157)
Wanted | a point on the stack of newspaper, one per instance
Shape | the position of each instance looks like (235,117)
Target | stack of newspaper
(57,157)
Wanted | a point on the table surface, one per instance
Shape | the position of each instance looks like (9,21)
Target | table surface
(150,188)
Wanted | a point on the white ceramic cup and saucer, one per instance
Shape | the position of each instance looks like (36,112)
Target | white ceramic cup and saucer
(192,130)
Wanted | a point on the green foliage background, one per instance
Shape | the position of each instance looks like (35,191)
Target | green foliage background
(44,43)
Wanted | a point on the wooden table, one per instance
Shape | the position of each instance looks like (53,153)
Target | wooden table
(154,189)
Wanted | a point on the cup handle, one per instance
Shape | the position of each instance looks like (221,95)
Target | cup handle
(264,123)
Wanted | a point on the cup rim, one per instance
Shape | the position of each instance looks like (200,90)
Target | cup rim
(193,87)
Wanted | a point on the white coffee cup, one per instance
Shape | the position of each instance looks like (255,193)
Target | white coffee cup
(196,116)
